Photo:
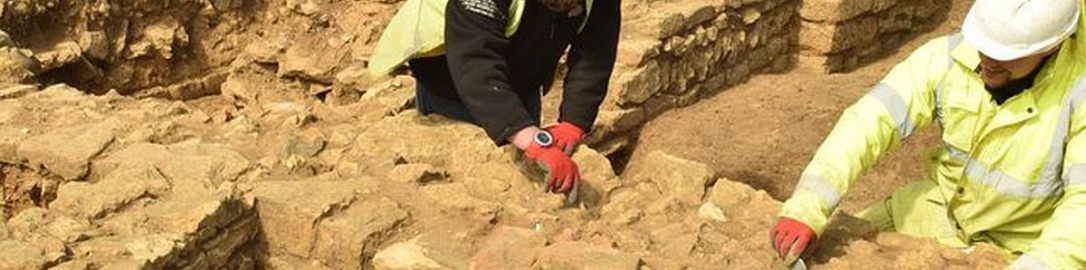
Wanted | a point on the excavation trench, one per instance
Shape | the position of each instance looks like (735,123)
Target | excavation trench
(275,157)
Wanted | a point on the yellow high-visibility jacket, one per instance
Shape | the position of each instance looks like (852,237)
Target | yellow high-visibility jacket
(418,30)
(1013,175)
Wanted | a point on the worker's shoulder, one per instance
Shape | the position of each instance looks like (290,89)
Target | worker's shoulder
(494,9)
(935,50)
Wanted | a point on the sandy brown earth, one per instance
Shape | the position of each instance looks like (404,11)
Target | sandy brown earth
(243,134)
(766,130)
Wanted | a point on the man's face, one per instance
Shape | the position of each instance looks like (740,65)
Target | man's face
(997,73)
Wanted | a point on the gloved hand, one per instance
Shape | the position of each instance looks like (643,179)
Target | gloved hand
(790,238)
(562,174)
(566,136)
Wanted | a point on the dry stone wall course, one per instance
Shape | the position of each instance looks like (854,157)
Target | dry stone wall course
(838,35)
(673,54)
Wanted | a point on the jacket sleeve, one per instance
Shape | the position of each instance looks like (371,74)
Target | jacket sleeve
(1060,245)
(900,104)
(591,60)
(475,48)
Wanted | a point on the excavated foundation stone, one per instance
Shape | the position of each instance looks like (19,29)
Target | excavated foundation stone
(674,53)
(838,35)
(129,45)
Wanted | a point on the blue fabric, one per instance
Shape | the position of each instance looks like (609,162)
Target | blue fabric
(428,103)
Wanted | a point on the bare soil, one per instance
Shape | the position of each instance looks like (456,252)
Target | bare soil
(765,131)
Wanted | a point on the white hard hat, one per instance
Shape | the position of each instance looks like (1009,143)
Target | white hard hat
(1011,29)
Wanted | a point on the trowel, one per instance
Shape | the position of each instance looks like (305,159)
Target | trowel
(799,265)
(571,198)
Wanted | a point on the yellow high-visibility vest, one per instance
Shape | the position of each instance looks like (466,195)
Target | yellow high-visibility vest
(1013,175)
(418,30)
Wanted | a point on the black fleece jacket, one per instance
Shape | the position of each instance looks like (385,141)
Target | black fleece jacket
(489,72)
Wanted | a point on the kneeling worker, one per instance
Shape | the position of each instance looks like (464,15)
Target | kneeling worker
(488,62)
(1008,95)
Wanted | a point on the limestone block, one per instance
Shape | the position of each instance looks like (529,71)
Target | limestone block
(185,229)
(301,62)
(68,151)
(122,186)
(855,33)
(191,160)
(290,211)
(409,255)
(637,86)
(678,178)
(509,248)
(817,37)
(95,45)
(596,172)
(620,120)
(579,255)
(832,11)
(710,211)
(348,237)
(21,255)
(457,196)
(10,137)
(17,66)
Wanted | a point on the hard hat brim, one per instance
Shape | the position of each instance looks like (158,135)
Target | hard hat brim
(995,50)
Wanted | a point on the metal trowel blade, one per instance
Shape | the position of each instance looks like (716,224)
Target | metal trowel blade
(799,265)
(571,198)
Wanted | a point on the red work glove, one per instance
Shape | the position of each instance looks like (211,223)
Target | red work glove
(562,173)
(790,238)
(566,136)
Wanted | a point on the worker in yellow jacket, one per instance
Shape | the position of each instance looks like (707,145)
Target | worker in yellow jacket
(1008,96)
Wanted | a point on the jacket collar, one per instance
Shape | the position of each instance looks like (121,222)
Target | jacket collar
(967,55)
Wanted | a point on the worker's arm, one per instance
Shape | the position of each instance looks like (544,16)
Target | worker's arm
(591,59)
(475,48)
(900,104)
(1062,244)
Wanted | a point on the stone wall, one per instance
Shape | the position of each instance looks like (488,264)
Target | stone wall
(114,192)
(838,35)
(126,45)
(675,53)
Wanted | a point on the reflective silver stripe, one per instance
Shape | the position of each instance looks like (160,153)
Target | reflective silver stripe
(957,153)
(952,43)
(1078,92)
(1075,175)
(899,110)
(1006,184)
(825,190)
(1027,262)
(1048,179)
(1059,140)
